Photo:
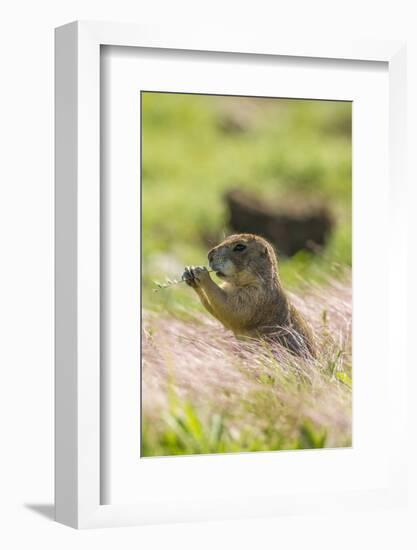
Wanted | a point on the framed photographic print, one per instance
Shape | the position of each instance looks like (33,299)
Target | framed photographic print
(228,214)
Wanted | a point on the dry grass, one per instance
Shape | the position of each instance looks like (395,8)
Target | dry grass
(203,391)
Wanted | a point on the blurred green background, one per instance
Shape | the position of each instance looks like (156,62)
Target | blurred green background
(197,147)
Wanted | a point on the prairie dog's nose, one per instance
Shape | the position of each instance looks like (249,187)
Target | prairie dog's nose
(211,254)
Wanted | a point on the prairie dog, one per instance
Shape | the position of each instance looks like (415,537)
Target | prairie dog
(251,300)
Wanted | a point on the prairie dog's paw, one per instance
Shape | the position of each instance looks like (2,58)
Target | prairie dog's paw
(200,274)
(188,277)
(195,276)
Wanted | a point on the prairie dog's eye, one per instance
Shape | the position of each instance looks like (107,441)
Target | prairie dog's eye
(239,248)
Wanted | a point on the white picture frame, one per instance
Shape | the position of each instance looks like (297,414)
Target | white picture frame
(78,406)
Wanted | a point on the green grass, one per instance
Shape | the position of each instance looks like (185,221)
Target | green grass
(185,433)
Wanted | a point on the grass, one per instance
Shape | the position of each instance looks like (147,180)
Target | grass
(205,392)
(202,390)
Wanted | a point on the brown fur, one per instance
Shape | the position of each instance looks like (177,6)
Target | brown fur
(251,300)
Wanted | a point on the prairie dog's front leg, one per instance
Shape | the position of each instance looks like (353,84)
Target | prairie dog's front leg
(194,277)
(214,298)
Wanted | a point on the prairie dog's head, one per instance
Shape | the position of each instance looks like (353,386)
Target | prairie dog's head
(243,259)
